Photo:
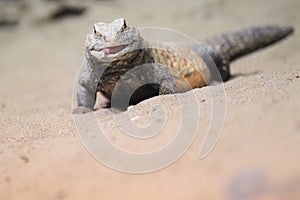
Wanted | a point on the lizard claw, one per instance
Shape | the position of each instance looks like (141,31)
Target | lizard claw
(81,110)
(164,90)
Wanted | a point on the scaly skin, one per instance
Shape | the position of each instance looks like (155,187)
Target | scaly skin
(120,61)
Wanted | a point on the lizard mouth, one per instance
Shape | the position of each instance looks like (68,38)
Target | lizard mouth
(113,50)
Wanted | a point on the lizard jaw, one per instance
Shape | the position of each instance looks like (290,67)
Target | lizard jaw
(113,50)
(106,53)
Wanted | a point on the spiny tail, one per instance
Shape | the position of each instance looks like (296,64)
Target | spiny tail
(236,44)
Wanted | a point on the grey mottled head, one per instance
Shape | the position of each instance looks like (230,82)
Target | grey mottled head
(110,41)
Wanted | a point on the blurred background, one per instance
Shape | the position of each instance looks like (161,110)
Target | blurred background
(42,48)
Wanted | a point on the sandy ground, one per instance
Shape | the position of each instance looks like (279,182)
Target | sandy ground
(256,157)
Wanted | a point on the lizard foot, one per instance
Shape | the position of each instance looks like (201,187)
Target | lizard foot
(164,90)
(81,110)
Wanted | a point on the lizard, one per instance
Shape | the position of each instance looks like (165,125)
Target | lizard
(125,69)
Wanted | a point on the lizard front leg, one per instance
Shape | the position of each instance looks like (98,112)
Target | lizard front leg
(86,93)
(165,79)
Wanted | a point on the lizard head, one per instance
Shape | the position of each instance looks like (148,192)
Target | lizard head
(110,41)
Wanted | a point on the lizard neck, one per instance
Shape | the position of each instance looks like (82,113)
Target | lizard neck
(129,60)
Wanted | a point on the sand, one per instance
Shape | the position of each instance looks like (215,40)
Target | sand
(256,156)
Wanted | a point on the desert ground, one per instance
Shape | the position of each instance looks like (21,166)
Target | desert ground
(257,155)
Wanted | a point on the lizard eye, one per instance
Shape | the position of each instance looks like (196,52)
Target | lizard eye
(124,25)
(97,34)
